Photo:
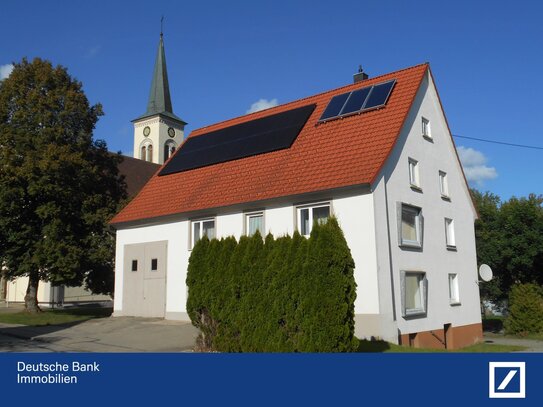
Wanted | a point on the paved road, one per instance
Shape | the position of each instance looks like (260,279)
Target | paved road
(532,345)
(119,334)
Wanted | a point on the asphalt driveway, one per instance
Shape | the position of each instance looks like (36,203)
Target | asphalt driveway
(114,334)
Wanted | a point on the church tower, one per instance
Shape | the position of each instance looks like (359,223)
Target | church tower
(158,132)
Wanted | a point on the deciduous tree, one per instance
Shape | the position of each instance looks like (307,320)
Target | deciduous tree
(58,186)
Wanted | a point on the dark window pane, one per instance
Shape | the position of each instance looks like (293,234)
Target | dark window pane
(304,222)
(335,105)
(134,265)
(321,214)
(356,101)
(379,95)
(154,264)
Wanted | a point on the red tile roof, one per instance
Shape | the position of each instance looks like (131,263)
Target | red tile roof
(338,153)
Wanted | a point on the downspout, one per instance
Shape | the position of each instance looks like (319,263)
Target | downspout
(390,253)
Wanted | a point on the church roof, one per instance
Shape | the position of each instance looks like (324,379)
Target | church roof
(325,155)
(160,102)
(136,173)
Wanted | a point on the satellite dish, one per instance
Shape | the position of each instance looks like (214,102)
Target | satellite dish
(485,272)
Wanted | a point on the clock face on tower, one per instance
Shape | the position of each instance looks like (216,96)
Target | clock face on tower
(146,131)
(171,132)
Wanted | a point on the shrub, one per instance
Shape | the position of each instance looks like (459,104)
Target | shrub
(285,295)
(525,310)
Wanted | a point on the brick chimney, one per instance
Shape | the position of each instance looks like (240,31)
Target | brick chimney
(360,75)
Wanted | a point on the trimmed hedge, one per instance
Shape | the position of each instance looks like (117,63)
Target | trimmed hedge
(289,294)
(525,310)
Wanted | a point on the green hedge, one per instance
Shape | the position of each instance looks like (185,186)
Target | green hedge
(525,310)
(289,294)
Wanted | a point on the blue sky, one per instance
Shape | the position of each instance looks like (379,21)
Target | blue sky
(223,57)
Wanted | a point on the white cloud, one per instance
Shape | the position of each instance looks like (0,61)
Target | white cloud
(5,71)
(473,162)
(262,104)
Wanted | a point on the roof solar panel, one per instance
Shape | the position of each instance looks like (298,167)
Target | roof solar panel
(359,100)
(334,107)
(271,133)
(356,101)
(379,95)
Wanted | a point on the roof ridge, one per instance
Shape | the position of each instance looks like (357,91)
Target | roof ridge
(302,99)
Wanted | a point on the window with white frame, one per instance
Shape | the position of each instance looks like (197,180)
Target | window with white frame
(414,293)
(449,233)
(410,223)
(307,215)
(414,173)
(443,185)
(426,128)
(454,297)
(201,228)
(254,222)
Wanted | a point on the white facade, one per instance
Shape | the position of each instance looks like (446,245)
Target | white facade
(369,219)
(50,295)
(436,260)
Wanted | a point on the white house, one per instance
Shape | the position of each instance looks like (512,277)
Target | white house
(378,154)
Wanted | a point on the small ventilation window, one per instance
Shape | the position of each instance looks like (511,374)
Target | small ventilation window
(154,264)
(426,132)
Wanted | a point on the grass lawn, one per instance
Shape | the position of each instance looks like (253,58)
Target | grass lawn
(55,317)
(386,347)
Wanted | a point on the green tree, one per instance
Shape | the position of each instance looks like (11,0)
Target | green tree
(521,226)
(489,242)
(525,310)
(58,186)
(509,238)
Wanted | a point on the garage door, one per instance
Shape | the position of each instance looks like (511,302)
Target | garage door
(144,288)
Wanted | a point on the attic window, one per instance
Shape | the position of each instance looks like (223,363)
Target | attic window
(357,101)
(426,133)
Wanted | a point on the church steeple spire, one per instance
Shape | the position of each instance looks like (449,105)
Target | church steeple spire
(160,102)
(158,132)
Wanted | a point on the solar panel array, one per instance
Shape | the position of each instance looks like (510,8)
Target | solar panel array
(271,133)
(360,100)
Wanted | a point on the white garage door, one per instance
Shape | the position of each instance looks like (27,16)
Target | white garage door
(144,286)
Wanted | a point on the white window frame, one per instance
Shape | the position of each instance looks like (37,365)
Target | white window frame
(249,215)
(419,226)
(310,207)
(426,129)
(450,238)
(443,185)
(423,291)
(200,222)
(414,178)
(454,293)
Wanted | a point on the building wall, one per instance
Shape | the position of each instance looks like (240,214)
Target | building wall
(435,259)
(16,290)
(354,211)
